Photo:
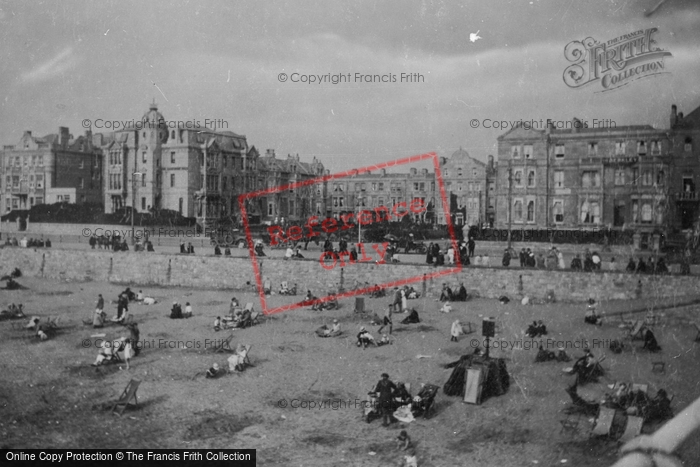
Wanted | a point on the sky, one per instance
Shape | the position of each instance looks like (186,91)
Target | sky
(68,61)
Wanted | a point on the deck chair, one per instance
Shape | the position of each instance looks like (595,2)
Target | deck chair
(570,424)
(125,399)
(360,306)
(603,423)
(468,328)
(267,287)
(636,332)
(254,318)
(697,328)
(224,345)
(632,429)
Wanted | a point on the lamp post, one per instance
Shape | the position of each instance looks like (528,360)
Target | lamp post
(359,225)
(133,203)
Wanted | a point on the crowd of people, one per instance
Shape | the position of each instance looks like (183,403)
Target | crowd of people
(25,242)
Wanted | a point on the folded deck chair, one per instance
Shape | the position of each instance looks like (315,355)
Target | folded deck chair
(697,328)
(224,345)
(632,429)
(636,332)
(254,318)
(603,424)
(267,286)
(126,397)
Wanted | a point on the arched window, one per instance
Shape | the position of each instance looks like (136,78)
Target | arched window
(518,208)
(172,135)
(531,211)
(180,205)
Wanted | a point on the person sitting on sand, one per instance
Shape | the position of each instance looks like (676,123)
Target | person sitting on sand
(404,441)
(650,342)
(591,316)
(531,331)
(562,356)
(33,323)
(401,395)
(213,372)
(237,361)
(446,308)
(541,328)
(217,323)
(98,319)
(188,310)
(446,294)
(364,338)
(176,311)
(544,355)
(139,296)
(385,340)
(333,330)
(456,331)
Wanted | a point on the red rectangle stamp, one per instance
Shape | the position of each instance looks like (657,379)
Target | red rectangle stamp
(316,227)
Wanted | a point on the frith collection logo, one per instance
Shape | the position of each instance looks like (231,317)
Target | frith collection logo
(614,63)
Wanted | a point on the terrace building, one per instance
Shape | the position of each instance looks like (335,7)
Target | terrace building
(50,169)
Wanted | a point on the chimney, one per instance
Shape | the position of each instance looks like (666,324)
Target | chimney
(64,136)
(674,116)
(28,132)
(414,171)
(270,152)
(383,172)
(576,125)
(490,159)
(424,171)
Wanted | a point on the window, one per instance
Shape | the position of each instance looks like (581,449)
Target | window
(661,178)
(15,181)
(518,210)
(635,211)
(646,178)
(531,211)
(559,150)
(656,147)
(459,171)
(66,198)
(527,151)
(374,186)
(659,213)
(15,203)
(474,173)
(82,164)
(172,157)
(531,178)
(18,163)
(337,187)
(144,157)
(415,186)
(33,161)
(620,148)
(157,162)
(590,179)
(518,178)
(558,179)
(459,186)
(81,182)
(592,149)
(223,182)
(641,148)
(172,136)
(40,159)
(172,180)
(381,186)
(635,176)
(143,203)
(688,146)
(31,181)
(619,177)
(25,161)
(558,212)
(471,186)
(646,213)
(143,180)
(8,182)
(270,209)
(590,213)
(515,152)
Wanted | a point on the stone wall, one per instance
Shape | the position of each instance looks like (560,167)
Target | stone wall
(220,272)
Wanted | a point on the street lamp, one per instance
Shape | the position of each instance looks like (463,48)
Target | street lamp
(133,203)
(359,225)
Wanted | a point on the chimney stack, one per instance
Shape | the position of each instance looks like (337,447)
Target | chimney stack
(64,136)
(674,115)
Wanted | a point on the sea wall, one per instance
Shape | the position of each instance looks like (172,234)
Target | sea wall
(221,272)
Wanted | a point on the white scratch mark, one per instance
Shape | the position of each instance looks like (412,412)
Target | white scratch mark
(474,36)
(229,76)
(332,112)
(161,92)
(106,32)
(472,106)
(477,62)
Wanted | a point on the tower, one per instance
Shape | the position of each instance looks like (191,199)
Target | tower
(153,134)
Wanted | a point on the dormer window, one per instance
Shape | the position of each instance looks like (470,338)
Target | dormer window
(641,148)
(559,150)
(515,152)
(527,151)
(656,147)
(620,148)
(688,147)
(592,149)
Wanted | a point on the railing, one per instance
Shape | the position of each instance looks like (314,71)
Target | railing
(687,196)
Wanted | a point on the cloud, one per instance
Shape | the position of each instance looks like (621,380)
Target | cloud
(63,61)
